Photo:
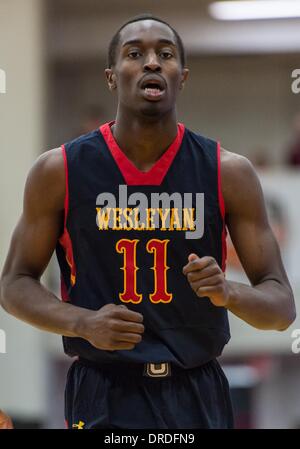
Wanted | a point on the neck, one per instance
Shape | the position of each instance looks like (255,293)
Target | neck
(144,141)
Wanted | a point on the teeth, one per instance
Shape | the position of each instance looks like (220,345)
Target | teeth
(152,91)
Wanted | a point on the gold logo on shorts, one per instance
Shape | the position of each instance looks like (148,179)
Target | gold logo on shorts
(80,425)
(158,369)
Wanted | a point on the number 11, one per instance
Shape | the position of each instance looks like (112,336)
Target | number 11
(130,268)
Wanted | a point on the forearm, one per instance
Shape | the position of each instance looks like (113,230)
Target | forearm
(110,328)
(268,305)
(27,299)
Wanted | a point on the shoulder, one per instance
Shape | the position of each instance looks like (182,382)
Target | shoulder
(48,167)
(235,167)
(49,161)
(46,180)
(240,183)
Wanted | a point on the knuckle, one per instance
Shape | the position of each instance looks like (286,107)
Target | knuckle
(115,312)
(139,328)
(215,269)
(109,306)
(141,318)
(195,286)
(199,291)
(110,309)
(190,277)
(112,324)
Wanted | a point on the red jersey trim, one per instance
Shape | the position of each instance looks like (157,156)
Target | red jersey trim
(222,208)
(131,174)
(65,239)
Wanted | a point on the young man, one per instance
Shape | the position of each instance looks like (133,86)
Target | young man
(137,212)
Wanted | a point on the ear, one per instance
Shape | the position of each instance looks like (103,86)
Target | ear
(185,74)
(111,79)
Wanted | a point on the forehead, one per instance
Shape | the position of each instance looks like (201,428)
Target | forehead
(145,31)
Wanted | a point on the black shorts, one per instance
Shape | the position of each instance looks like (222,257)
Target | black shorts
(125,397)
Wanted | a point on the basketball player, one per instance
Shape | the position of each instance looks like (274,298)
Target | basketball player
(137,211)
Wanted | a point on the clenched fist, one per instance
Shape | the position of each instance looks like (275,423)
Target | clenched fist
(111,328)
(207,279)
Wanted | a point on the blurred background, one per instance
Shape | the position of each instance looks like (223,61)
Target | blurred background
(53,53)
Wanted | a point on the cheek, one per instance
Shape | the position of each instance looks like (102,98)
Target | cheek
(175,84)
(127,84)
(127,72)
(175,78)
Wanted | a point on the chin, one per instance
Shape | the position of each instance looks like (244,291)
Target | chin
(152,110)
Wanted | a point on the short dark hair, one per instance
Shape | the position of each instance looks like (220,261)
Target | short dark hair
(116,38)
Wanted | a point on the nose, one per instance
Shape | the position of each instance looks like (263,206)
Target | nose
(152,63)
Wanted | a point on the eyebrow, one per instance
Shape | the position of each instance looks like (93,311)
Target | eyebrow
(139,41)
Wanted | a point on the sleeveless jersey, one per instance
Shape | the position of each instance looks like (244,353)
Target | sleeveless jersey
(128,234)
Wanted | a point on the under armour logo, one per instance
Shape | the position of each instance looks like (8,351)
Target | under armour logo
(80,425)
(157,370)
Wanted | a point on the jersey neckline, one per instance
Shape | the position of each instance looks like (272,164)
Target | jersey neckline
(131,174)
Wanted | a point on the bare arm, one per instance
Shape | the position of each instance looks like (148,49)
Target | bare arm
(268,303)
(33,242)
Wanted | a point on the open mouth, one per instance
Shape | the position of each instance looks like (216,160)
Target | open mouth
(153,89)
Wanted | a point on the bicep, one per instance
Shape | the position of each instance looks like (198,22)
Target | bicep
(32,245)
(256,247)
(40,225)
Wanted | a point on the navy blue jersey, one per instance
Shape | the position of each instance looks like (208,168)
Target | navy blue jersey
(127,236)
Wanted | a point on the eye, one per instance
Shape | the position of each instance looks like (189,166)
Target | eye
(166,54)
(134,54)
